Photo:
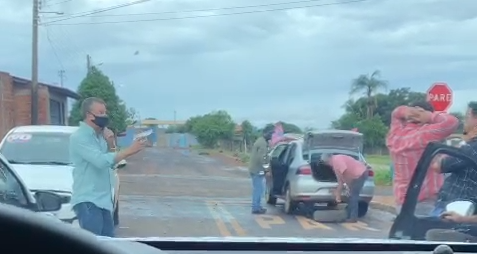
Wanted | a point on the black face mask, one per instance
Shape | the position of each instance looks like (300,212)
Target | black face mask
(100,121)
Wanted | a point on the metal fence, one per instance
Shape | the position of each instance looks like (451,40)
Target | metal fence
(181,140)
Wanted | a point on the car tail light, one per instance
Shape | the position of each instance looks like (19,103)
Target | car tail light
(304,170)
(370,172)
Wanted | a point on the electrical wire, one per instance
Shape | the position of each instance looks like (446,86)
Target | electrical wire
(207,10)
(48,5)
(206,16)
(88,13)
(53,48)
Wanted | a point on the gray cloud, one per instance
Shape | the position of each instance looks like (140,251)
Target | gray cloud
(291,65)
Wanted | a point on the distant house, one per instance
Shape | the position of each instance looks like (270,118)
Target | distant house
(15,103)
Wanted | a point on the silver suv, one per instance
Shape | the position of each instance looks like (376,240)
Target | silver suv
(297,177)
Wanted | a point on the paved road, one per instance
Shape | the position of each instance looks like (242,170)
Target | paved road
(167,192)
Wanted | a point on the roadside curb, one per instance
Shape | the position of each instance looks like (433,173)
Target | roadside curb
(383,207)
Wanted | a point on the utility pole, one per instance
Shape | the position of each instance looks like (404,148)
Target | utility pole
(61,74)
(175,116)
(88,63)
(34,64)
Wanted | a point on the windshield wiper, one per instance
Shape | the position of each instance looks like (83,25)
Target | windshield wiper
(39,162)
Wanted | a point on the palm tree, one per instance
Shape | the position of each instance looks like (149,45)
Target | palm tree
(369,85)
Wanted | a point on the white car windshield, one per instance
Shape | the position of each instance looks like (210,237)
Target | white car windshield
(37,148)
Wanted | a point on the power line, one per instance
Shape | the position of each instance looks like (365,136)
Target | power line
(57,56)
(206,10)
(62,2)
(210,15)
(87,13)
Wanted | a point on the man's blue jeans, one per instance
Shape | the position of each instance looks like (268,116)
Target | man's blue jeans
(94,219)
(258,188)
(354,191)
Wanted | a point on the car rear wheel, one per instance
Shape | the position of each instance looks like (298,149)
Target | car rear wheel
(116,215)
(362,209)
(290,205)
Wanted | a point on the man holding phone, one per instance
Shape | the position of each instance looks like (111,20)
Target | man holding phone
(93,154)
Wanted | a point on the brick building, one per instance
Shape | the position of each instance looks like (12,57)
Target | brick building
(15,103)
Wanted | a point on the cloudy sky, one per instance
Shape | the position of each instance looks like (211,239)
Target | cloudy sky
(293,65)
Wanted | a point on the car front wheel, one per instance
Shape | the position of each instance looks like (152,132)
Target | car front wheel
(290,205)
(271,200)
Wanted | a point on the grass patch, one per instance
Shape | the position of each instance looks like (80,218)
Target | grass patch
(378,159)
(383,177)
(244,157)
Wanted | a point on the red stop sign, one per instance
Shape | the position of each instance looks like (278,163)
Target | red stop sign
(440,96)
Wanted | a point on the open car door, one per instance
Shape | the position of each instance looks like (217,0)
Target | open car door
(408,225)
(273,180)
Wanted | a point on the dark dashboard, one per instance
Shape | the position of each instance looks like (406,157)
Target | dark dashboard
(130,247)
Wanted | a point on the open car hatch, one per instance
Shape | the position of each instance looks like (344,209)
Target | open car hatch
(338,139)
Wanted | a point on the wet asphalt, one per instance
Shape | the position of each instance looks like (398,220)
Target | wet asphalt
(177,193)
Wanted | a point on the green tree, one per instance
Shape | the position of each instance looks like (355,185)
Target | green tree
(132,116)
(347,121)
(212,127)
(176,129)
(368,85)
(96,84)
(287,128)
(189,124)
(247,131)
(374,132)
(385,103)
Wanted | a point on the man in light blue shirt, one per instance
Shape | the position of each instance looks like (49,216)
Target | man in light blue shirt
(93,155)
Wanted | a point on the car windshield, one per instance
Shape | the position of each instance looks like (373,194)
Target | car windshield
(36,148)
(236,101)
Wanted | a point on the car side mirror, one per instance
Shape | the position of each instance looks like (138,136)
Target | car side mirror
(48,201)
(461,207)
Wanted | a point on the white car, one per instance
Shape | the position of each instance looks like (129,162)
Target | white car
(40,156)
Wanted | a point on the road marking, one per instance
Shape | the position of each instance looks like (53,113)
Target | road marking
(218,219)
(265,221)
(308,224)
(357,226)
(231,219)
